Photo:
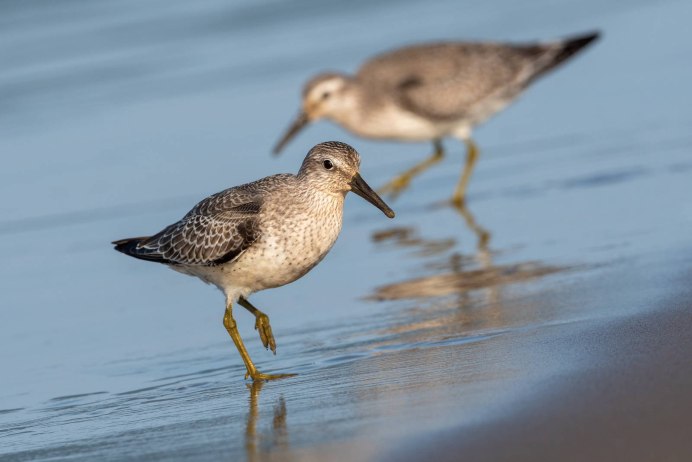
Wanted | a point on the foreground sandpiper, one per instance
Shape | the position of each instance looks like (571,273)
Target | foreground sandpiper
(429,92)
(261,235)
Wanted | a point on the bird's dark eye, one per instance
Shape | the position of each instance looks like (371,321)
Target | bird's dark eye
(328,164)
(325,95)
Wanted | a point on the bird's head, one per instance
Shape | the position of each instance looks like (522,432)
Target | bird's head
(334,167)
(325,95)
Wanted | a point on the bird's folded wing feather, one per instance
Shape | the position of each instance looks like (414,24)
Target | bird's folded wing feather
(215,231)
(443,81)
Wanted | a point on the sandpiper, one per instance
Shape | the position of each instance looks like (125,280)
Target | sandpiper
(429,92)
(261,235)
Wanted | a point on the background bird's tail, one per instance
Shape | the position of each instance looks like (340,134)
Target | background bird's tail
(572,45)
(557,53)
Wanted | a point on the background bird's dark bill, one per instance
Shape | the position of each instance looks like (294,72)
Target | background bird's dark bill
(297,125)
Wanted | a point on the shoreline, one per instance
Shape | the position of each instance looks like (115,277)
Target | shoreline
(632,404)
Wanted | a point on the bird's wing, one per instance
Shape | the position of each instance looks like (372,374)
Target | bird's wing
(207,239)
(217,230)
(443,81)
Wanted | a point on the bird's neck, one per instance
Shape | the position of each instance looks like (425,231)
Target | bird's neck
(319,194)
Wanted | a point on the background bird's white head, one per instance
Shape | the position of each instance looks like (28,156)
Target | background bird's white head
(326,95)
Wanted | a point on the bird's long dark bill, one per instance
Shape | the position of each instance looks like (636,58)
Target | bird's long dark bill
(360,187)
(297,125)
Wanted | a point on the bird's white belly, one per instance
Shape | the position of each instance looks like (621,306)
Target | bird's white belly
(391,122)
(277,266)
(396,124)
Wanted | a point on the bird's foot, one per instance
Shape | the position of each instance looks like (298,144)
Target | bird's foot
(258,376)
(265,332)
(395,187)
(458,201)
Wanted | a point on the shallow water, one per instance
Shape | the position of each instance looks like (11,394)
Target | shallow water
(115,118)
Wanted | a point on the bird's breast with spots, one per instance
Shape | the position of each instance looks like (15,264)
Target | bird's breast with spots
(289,248)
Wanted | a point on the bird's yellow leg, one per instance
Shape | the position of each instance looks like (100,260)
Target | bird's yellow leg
(261,324)
(232,328)
(401,182)
(471,158)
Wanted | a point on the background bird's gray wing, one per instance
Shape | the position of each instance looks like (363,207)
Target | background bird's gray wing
(217,230)
(443,81)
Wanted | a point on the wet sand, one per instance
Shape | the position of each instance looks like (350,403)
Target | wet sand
(601,388)
(593,366)
(632,401)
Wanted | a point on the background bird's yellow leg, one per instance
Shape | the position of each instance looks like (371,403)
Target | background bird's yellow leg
(232,328)
(401,182)
(471,158)
(261,324)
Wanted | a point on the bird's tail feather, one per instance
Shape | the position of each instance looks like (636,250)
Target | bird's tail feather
(566,48)
(131,246)
(572,45)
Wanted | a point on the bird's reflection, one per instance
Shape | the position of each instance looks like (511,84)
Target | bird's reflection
(482,255)
(454,272)
(259,443)
(460,292)
(481,233)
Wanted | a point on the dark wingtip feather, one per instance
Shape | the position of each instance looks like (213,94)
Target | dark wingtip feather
(574,44)
(129,247)
(568,47)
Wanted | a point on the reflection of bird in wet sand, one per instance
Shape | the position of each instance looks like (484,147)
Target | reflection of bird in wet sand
(261,235)
(430,92)
(253,440)
(456,273)
(404,237)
